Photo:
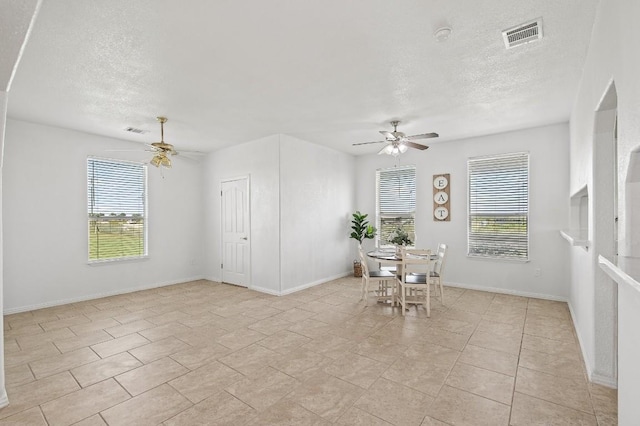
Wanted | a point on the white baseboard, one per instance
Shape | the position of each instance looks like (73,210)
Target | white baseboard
(4,399)
(610,382)
(255,288)
(300,287)
(315,283)
(585,357)
(265,290)
(599,379)
(450,284)
(98,295)
(507,291)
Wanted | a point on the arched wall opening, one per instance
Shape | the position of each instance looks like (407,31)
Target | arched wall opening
(605,236)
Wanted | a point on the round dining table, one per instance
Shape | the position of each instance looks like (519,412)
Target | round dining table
(389,257)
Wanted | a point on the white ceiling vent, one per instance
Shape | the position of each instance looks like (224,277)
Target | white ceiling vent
(523,33)
(134,130)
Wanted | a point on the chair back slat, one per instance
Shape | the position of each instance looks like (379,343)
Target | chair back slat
(439,263)
(415,261)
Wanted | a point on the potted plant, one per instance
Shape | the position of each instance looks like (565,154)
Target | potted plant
(361,230)
(399,237)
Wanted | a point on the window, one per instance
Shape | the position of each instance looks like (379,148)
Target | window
(116,209)
(396,202)
(499,206)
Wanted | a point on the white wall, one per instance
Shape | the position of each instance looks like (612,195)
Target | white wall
(15,25)
(3,118)
(612,57)
(301,198)
(629,350)
(45,220)
(260,160)
(549,209)
(317,196)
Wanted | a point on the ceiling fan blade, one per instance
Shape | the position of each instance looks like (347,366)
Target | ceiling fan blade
(388,135)
(367,143)
(383,150)
(186,157)
(416,145)
(424,136)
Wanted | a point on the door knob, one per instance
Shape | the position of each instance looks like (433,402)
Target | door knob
(244,238)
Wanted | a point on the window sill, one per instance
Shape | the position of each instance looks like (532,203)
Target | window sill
(118,260)
(497,259)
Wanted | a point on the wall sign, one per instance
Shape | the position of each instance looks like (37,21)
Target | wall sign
(441,199)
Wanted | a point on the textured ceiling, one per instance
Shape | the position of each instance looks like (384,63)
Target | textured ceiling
(332,72)
(16,16)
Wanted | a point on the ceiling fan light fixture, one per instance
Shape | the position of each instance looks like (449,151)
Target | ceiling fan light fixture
(395,149)
(160,160)
(387,150)
(161,148)
(398,149)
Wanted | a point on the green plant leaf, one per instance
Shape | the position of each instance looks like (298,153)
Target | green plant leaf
(361,228)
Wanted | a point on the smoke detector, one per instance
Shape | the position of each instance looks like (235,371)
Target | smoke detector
(523,33)
(442,34)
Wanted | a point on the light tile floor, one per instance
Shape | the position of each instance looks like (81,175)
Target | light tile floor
(214,354)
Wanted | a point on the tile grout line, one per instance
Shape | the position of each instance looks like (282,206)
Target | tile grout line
(515,379)
(375,328)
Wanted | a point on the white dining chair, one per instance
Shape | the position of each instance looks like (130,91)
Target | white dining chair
(413,286)
(435,275)
(385,281)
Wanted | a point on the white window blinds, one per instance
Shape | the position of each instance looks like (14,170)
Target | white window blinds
(116,209)
(499,206)
(396,201)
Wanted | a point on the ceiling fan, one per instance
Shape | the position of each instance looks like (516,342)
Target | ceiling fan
(398,143)
(161,149)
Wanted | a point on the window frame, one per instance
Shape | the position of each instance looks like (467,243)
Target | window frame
(145,215)
(497,157)
(379,216)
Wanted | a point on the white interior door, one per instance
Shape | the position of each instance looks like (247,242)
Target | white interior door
(235,232)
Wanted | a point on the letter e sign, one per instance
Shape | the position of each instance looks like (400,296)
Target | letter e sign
(441,201)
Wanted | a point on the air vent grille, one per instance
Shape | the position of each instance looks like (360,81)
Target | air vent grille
(523,34)
(134,130)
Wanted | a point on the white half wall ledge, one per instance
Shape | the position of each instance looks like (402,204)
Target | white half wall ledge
(99,295)
(624,270)
(575,238)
